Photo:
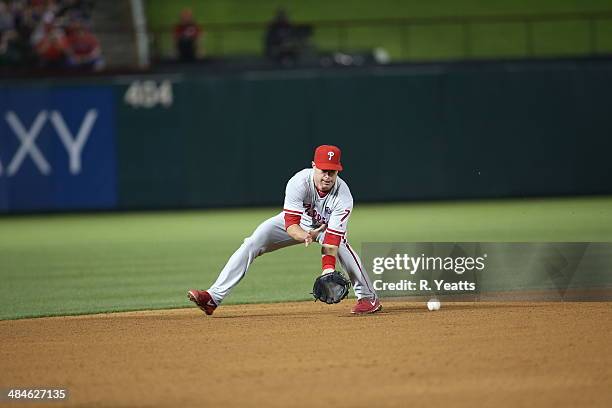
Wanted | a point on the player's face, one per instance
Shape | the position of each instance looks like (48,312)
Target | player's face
(324,179)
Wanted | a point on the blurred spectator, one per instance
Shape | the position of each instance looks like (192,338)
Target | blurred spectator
(84,49)
(24,20)
(285,42)
(75,9)
(186,35)
(7,34)
(278,38)
(7,21)
(52,48)
(37,8)
(18,45)
(36,33)
(9,48)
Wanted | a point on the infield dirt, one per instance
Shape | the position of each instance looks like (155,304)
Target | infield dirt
(309,354)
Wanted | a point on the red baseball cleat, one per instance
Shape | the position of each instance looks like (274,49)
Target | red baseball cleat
(203,299)
(366,305)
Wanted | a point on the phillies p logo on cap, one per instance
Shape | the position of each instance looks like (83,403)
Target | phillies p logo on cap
(327,157)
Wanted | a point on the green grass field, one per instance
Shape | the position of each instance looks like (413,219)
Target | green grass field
(77,264)
(424,42)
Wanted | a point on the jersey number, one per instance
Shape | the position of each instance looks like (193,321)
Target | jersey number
(348,212)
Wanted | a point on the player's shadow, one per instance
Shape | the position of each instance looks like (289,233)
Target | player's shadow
(460,306)
(293,315)
(387,310)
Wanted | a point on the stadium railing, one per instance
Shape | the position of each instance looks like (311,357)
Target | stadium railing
(343,35)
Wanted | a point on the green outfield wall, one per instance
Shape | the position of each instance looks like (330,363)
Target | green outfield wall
(496,130)
(441,131)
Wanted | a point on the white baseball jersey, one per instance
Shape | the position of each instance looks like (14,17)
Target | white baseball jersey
(301,200)
(333,209)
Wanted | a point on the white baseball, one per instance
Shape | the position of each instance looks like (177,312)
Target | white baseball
(433,304)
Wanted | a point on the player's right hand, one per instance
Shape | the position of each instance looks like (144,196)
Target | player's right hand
(313,234)
(307,240)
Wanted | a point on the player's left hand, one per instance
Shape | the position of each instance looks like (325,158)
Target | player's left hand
(331,287)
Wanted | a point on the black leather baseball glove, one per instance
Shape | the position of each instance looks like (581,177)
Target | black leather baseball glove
(331,287)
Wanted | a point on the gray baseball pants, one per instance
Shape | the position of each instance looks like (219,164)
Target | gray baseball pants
(269,236)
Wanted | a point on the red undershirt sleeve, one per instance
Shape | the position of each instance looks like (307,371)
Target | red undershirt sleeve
(291,219)
(332,239)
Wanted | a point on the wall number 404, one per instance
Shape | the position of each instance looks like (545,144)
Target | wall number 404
(149,94)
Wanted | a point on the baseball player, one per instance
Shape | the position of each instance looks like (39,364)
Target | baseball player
(318,205)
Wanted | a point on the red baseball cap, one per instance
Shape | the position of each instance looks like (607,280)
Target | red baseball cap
(327,157)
